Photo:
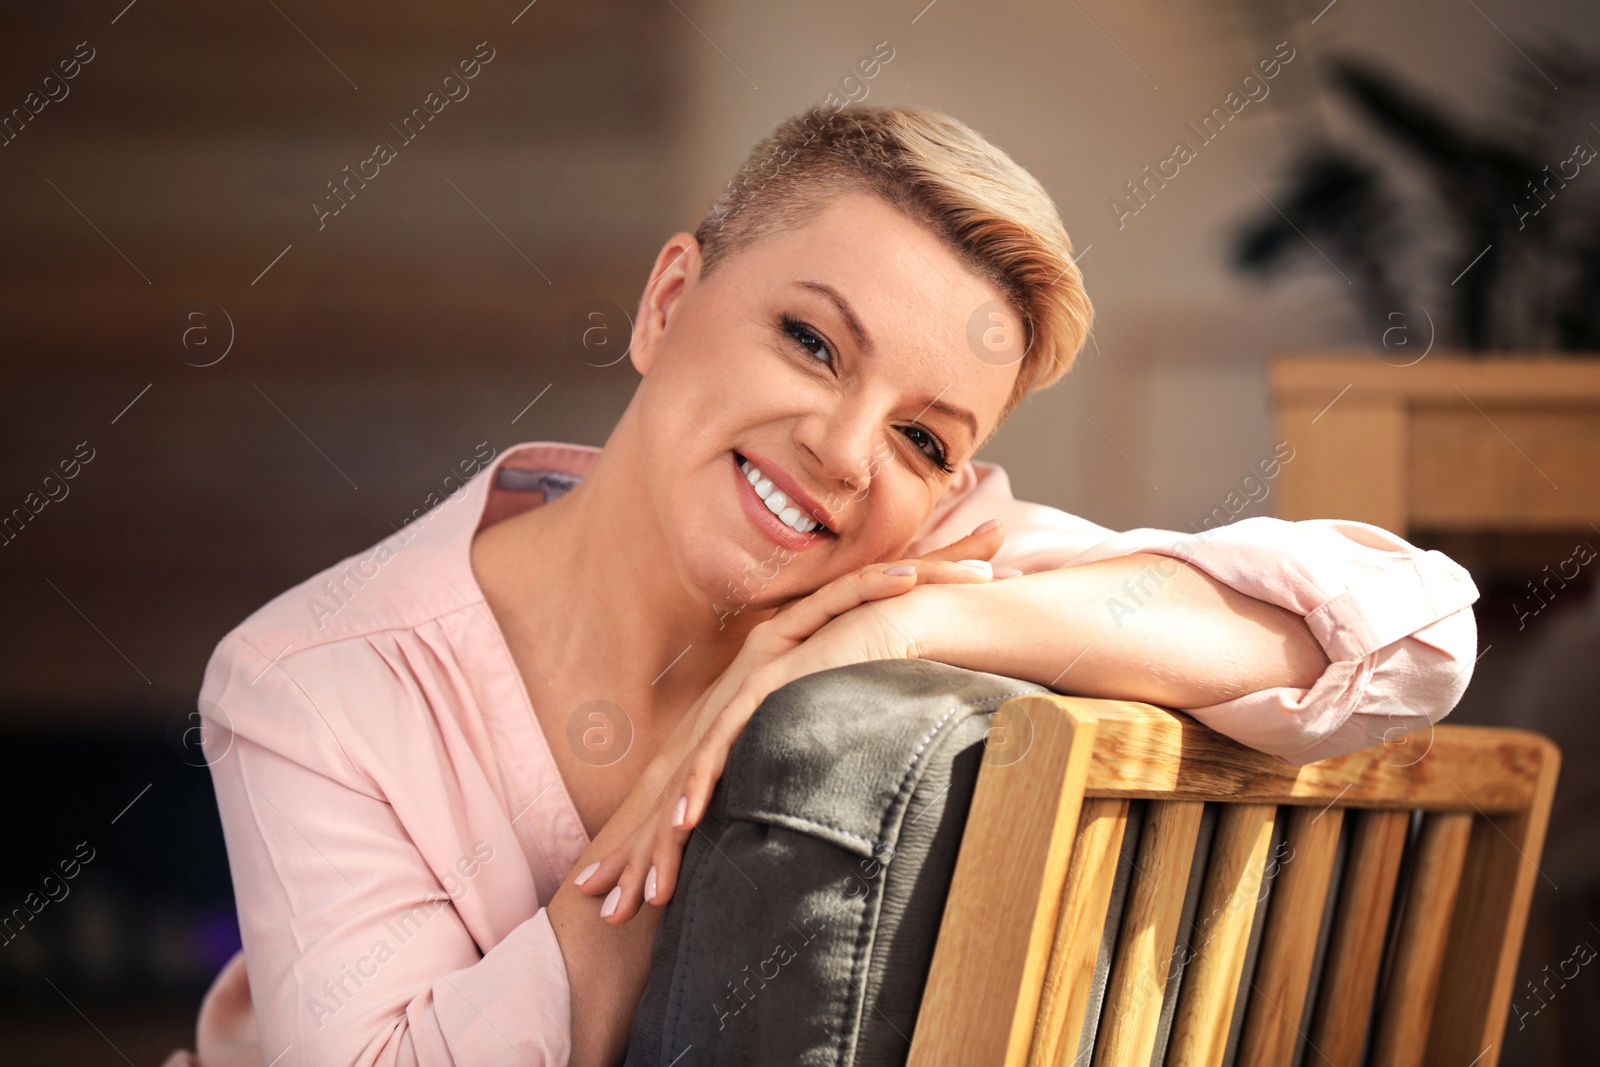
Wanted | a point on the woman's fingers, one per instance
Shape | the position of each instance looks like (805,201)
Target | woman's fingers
(805,617)
(981,543)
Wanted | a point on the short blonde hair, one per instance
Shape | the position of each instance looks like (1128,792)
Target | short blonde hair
(940,172)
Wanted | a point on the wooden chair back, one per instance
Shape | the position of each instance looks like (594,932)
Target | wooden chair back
(1136,889)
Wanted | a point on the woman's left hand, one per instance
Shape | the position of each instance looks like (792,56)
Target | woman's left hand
(856,618)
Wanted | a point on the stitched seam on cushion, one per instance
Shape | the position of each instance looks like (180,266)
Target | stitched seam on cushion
(675,996)
(858,982)
(915,756)
(858,979)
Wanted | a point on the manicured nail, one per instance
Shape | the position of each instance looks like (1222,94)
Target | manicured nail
(977,565)
(585,874)
(650,884)
(613,898)
(904,568)
(986,527)
(1008,572)
(680,812)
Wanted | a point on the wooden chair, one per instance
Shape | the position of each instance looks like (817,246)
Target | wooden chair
(1136,889)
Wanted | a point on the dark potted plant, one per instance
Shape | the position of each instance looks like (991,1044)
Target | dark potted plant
(1493,229)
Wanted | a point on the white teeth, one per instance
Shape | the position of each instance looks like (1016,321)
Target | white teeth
(777,502)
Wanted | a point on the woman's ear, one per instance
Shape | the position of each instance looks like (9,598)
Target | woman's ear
(677,269)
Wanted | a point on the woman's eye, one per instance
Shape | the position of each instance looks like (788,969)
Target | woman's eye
(928,445)
(807,338)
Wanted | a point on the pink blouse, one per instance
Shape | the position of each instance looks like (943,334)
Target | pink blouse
(395,821)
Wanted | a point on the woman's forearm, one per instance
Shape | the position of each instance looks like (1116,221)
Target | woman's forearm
(607,963)
(1139,627)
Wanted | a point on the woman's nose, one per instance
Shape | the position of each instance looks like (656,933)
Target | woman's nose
(846,446)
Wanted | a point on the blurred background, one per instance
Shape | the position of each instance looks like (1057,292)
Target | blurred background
(259,364)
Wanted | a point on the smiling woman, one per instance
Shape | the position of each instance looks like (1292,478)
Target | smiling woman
(789,490)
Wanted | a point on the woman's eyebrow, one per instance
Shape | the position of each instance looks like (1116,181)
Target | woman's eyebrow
(846,312)
(960,414)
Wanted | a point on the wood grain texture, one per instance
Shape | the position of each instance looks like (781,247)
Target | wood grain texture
(1031,927)
(1272,1023)
(1221,935)
(1083,917)
(1146,940)
(1000,916)
(1491,914)
(1405,1006)
(1145,751)
(1355,949)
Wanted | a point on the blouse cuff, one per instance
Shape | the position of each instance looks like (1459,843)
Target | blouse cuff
(482,1024)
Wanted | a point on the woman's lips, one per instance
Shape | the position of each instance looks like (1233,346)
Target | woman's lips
(764,520)
(791,488)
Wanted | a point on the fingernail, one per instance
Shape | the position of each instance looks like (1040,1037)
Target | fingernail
(680,812)
(900,570)
(613,898)
(1008,572)
(650,885)
(986,527)
(977,565)
(585,874)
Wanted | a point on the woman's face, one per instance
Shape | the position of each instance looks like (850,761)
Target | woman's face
(836,360)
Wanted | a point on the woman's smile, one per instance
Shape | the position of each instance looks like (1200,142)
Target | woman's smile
(777,505)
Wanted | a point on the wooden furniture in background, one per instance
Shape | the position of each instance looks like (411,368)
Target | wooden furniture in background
(1448,443)
(1137,885)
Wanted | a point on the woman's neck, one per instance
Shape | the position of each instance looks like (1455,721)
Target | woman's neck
(592,583)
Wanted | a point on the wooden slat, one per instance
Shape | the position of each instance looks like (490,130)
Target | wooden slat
(1289,943)
(1137,984)
(1090,875)
(1355,950)
(1000,915)
(1406,1008)
(1491,914)
(1145,751)
(1222,935)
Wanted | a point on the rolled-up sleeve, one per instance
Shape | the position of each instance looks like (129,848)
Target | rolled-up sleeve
(356,952)
(1395,621)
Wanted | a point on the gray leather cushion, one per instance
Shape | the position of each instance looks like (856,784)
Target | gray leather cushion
(811,895)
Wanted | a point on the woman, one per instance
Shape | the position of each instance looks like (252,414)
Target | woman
(406,780)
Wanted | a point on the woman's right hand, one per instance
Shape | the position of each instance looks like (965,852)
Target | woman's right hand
(645,866)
